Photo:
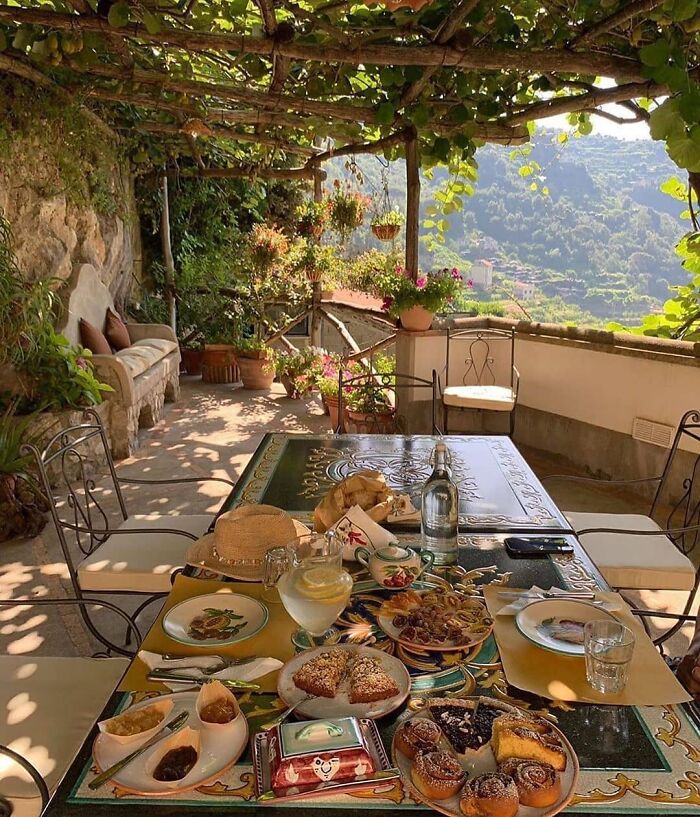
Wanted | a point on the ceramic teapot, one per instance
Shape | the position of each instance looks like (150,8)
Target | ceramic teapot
(394,567)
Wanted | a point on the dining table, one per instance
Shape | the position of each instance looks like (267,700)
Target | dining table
(633,759)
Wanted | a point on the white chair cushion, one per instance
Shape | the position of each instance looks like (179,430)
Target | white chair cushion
(491,398)
(633,562)
(161,345)
(141,562)
(48,706)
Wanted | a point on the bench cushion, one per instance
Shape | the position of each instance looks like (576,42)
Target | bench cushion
(140,356)
(48,706)
(141,562)
(633,562)
(490,398)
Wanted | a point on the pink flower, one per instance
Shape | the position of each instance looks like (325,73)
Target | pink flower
(398,269)
(387,303)
(470,283)
(455,273)
(421,282)
(81,362)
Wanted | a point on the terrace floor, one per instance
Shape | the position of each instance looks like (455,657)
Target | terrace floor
(213,430)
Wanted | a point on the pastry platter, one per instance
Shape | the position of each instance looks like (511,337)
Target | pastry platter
(435,620)
(218,749)
(557,624)
(524,778)
(339,705)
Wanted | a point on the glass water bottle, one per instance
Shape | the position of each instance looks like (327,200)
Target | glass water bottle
(440,509)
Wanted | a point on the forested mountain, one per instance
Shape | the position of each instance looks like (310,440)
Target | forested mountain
(602,239)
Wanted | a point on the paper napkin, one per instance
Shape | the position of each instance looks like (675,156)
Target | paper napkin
(535,593)
(244,672)
(356,529)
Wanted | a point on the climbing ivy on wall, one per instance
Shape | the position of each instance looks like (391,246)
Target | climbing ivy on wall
(52,146)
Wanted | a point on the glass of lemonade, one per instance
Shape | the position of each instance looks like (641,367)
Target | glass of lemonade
(315,588)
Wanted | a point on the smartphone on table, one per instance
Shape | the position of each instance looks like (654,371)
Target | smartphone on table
(536,547)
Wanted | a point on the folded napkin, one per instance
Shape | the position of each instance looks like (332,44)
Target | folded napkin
(357,529)
(403,510)
(244,672)
(536,593)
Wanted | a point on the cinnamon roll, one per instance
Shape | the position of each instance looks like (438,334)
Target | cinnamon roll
(416,736)
(437,775)
(489,795)
(538,784)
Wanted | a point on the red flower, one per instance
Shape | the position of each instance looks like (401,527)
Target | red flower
(387,303)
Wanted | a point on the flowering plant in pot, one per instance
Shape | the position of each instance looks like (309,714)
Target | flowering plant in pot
(386,226)
(299,371)
(369,408)
(312,218)
(416,302)
(267,246)
(347,209)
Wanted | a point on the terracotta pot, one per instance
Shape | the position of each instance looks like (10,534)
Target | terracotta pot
(371,423)
(192,360)
(219,364)
(416,319)
(386,232)
(257,374)
(332,406)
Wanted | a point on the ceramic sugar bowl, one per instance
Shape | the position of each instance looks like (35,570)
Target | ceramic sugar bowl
(394,567)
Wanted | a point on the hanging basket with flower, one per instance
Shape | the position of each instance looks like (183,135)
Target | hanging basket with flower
(386,226)
(347,209)
(417,302)
(267,246)
(312,218)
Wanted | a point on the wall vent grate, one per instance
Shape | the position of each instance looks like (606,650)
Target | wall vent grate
(648,431)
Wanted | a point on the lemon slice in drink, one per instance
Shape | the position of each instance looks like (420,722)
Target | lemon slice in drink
(321,583)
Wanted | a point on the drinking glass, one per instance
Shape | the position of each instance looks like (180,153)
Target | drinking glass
(276,562)
(314,587)
(608,647)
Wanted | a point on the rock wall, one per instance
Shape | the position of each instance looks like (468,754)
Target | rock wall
(54,237)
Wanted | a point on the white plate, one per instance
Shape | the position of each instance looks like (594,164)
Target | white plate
(483,763)
(177,620)
(534,621)
(340,706)
(219,749)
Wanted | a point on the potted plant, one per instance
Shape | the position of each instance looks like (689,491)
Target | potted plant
(369,409)
(386,226)
(312,218)
(347,209)
(299,371)
(416,302)
(256,363)
(22,505)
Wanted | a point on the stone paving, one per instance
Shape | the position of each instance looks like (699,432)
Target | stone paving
(212,430)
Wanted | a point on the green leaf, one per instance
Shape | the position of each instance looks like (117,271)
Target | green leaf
(441,148)
(683,10)
(385,113)
(420,115)
(525,170)
(684,151)
(585,127)
(23,38)
(665,120)
(118,15)
(152,23)
(654,54)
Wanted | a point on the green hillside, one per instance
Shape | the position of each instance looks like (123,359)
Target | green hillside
(600,246)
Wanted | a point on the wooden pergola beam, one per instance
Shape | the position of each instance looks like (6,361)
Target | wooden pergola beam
(482,57)
(617,18)
(284,173)
(229,133)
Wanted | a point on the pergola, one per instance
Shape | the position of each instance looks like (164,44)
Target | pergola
(293,83)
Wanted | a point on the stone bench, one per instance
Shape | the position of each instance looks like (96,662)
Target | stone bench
(143,376)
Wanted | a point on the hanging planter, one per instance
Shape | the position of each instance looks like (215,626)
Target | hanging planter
(314,274)
(386,232)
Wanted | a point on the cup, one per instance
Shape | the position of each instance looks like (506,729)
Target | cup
(276,563)
(608,647)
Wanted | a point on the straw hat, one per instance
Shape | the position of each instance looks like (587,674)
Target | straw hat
(241,538)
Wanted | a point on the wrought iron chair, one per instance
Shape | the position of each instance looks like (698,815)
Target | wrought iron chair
(136,556)
(644,555)
(381,390)
(53,687)
(479,389)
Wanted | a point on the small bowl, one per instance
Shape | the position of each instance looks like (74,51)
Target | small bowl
(164,707)
(213,691)
(183,737)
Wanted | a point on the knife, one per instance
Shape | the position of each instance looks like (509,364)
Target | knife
(387,774)
(232,683)
(174,725)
